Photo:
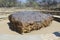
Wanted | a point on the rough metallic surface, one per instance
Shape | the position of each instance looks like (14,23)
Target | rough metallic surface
(27,21)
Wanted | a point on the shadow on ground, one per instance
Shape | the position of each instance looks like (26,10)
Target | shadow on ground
(56,19)
(12,28)
(57,34)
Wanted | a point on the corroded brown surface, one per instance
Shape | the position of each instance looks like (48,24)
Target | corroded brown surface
(27,21)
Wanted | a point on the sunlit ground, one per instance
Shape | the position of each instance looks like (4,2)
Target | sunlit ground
(4,27)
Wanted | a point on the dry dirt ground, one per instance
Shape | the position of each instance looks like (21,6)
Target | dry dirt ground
(53,27)
(47,32)
(43,34)
(7,34)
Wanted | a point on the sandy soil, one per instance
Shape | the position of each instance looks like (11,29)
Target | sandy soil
(4,28)
(53,27)
(47,32)
(44,33)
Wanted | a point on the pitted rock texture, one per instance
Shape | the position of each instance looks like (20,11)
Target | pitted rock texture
(26,21)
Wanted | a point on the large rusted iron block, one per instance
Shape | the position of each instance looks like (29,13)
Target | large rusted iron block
(26,21)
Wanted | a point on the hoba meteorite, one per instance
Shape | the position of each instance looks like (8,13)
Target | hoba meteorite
(27,21)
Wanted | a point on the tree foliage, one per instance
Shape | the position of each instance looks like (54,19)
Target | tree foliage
(28,3)
(7,3)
